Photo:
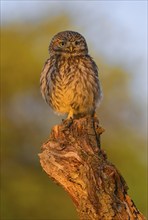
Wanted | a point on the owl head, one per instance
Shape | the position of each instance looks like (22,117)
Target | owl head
(68,43)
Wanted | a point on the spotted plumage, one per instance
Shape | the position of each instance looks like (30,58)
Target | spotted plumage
(69,80)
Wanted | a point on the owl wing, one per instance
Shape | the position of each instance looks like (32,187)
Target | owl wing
(98,91)
(44,80)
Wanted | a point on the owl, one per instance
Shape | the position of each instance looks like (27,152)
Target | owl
(69,80)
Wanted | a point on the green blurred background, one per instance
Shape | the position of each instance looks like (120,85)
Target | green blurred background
(117,42)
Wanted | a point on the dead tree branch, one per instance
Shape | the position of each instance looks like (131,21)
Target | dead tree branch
(73,158)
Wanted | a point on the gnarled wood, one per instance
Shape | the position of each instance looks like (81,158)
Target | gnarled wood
(73,158)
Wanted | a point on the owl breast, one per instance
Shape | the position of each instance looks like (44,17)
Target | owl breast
(73,85)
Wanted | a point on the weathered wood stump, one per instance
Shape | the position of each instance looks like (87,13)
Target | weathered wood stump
(73,158)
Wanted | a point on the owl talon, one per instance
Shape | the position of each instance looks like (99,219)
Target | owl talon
(68,122)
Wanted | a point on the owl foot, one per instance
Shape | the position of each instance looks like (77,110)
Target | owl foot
(67,123)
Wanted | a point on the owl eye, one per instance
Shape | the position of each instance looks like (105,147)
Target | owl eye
(62,43)
(77,42)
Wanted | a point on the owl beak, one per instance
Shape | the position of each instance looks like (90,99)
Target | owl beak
(71,48)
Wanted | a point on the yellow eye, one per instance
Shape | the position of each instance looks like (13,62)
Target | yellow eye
(62,43)
(77,42)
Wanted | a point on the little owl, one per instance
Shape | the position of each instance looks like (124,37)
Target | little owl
(69,80)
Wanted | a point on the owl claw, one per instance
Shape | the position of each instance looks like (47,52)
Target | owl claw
(68,122)
(70,115)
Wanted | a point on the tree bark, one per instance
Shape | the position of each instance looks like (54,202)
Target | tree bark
(73,158)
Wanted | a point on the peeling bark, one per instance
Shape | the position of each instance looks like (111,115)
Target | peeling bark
(73,158)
